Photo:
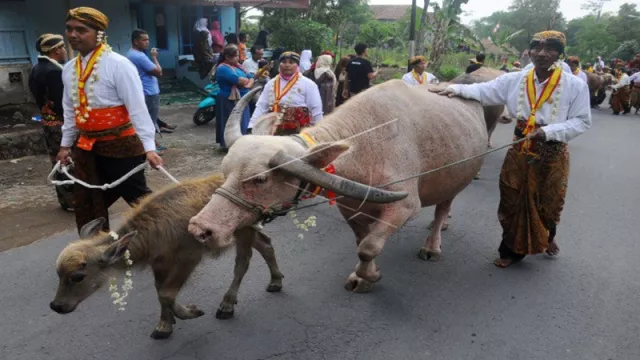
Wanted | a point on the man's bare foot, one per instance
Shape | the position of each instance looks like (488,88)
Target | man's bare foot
(553,249)
(503,263)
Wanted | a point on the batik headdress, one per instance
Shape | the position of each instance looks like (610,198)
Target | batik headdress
(291,55)
(49,42)
(555,39)
(92,18)
(417,60)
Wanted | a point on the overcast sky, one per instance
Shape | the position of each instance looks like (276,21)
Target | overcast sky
(480,8)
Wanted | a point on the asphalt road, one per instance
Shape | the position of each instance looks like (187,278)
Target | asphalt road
(583,305)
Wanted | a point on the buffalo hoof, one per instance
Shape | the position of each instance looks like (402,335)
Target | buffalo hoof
(161,334)
(224,314)
(357,284)
(429,254)
(272,288)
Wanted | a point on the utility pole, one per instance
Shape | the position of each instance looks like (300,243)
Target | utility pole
(412,33)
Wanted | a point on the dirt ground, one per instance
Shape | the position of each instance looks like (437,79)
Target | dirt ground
(29,210)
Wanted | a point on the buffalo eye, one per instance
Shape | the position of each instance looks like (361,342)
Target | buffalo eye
(76,277)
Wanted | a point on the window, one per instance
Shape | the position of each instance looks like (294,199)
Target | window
(162,37)
(188,17)
(13,45)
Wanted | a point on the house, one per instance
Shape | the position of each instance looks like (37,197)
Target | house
(168,22)
(390,13)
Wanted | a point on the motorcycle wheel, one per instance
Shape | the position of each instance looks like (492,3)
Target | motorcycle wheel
(204,115)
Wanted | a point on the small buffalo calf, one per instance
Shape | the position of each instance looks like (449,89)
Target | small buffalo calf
(155,233)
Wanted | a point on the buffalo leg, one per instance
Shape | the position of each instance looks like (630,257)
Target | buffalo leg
(168,285)
(431,250)
(371,246)
(243,258)
(263,245)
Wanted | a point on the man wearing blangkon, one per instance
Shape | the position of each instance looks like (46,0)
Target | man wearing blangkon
(551,107)
(104,104)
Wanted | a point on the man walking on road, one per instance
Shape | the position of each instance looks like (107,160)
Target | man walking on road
(551,108)
(105,116)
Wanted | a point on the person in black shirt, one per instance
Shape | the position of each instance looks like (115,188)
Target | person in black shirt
(45,83)
(477,64)
(359,73)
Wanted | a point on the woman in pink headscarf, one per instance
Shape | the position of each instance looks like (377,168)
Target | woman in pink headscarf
(216,36)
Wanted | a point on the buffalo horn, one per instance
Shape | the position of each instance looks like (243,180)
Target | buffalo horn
(232,130)
(340,185)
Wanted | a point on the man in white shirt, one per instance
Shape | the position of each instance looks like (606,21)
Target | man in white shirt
(418,75)
(621,96)
(292,95)
(104,109)
(251,64)
(574,64)
(534,176)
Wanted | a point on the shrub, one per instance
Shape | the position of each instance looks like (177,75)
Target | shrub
(448,72)
(298,35)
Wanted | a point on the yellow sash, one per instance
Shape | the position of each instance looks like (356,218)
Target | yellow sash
(419,78)
(83,77)
(278,94)
(535,105)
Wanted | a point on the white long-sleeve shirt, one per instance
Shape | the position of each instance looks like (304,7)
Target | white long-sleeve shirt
(118,84)
(304,93)
(635,77)
(582,76)
(409,79)
(573,116)
(624,80)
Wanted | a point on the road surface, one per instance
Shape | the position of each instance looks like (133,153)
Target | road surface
(583,305)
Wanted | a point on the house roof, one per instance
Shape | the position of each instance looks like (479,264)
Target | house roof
(288,4)
(490,47)
(389,12)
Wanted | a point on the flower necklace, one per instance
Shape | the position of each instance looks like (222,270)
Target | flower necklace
(82,90)
(550,94)
(419,78)
(128,283)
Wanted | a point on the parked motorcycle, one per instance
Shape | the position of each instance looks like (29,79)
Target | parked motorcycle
(207,107)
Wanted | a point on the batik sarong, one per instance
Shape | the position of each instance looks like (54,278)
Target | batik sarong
(620,99)
(107,162)
(52,128)
(532,193)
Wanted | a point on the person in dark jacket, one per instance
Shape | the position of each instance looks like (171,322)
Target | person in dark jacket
(476,63)
(45,83)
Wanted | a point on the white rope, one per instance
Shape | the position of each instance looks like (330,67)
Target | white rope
(64,169)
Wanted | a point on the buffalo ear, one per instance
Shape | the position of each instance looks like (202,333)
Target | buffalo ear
(322,155)
(92,227)
(267,124)
(116,251)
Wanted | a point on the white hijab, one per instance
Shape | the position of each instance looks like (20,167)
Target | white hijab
(201,25)
(305,60)
(323,65)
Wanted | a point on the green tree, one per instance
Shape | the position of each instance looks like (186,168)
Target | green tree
(446,28)
(298,35)
(626,26)
(595,7)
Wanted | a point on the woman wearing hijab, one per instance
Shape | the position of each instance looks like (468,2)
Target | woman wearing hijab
(305,60)
(326,81)
(216,36)
(202,52)
(234,83)
(291,94)
(261,39)
(341,73)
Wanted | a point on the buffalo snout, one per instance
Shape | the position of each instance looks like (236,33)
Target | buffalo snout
(61,308)
(208,234)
